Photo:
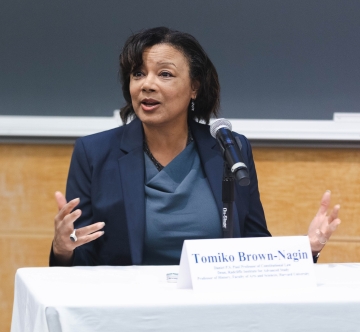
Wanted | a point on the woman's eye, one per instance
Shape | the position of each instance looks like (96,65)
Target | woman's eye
(166,74)
(137,74)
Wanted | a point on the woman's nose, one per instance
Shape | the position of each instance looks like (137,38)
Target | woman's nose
(149,83)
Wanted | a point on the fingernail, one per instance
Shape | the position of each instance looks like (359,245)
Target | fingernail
(328,191)
(103,224)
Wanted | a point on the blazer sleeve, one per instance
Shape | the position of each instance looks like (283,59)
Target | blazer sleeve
(255,222)
(79,186)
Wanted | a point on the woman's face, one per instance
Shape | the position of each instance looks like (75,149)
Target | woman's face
(161,89)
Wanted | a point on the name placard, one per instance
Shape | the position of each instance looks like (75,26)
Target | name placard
(243,263)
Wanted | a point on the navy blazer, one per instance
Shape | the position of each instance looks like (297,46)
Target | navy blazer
(107,173)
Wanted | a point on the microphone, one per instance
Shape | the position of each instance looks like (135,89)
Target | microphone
(231,147)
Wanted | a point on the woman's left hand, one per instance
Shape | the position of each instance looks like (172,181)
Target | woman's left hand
(323,225)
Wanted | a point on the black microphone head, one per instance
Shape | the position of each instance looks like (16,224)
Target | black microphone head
(218,124)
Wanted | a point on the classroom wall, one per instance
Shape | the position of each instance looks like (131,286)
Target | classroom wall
(292,182)
(275,59)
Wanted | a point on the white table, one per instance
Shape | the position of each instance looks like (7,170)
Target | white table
(138,298)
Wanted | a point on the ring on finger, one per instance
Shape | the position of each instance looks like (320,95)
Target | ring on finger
(73,236)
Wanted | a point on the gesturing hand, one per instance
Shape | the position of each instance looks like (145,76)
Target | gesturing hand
(323,225)
(63,247)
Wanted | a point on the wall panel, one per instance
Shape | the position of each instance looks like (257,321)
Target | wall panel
(291,182)
(29,176)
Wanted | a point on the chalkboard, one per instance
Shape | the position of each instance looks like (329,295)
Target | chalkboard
(276,59)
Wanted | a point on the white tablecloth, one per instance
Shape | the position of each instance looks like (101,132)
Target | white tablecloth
(139,298)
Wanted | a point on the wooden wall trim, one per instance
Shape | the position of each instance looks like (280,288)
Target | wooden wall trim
(342,129)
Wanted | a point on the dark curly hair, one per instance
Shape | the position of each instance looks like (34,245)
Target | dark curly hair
(202,70)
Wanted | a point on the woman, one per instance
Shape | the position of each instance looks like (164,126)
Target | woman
(157,180)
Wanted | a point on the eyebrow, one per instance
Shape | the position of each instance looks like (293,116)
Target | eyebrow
(166,63)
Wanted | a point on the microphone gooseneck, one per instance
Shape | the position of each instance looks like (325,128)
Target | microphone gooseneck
(231,146)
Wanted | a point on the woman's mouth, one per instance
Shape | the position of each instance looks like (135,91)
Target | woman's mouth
(149,104)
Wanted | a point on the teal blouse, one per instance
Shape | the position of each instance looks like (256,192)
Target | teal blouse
(179,206)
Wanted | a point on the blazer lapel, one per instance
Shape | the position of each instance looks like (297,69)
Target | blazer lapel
(132,175)
(213,163)
(211,159)
(131,166)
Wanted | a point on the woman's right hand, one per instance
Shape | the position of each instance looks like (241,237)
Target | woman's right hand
(63,246)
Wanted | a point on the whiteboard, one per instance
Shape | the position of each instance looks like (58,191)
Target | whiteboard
(279,59)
